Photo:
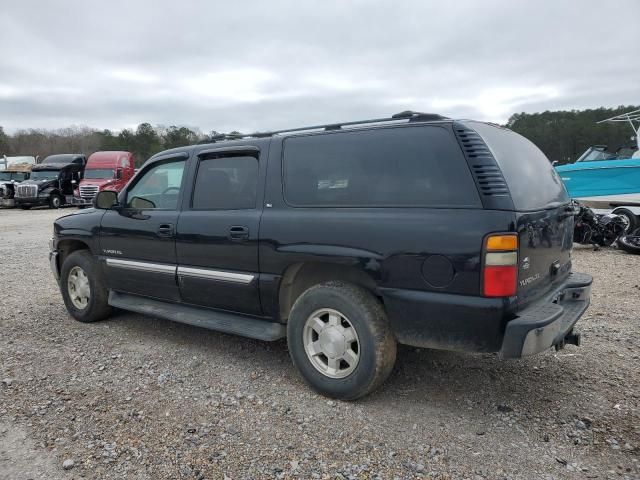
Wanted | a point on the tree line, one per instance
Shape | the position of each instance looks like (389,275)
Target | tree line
(145,141)
(561,135)
(565,135)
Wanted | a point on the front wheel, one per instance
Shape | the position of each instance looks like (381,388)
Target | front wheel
(83,288)
(340,340)
(55,201)
(25,207)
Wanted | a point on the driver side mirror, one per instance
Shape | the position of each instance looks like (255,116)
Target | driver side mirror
(118,174)
(105,199)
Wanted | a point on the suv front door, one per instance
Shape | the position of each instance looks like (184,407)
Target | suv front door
(217,236)
(137,239)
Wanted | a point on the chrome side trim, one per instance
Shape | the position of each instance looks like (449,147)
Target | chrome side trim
(141,266)
(207,274)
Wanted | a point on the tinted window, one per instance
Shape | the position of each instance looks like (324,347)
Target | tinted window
(227,183)
(532,181)
(159,187)
(407,166)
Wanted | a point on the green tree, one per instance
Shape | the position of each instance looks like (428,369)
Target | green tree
(5,148)
(565,135)
(179,136)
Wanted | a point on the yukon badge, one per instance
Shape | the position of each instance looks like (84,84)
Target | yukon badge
(525,263)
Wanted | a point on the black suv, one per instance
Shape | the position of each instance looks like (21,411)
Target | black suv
(345,238)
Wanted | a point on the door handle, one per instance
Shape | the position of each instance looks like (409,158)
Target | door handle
(238,233)
(165,230)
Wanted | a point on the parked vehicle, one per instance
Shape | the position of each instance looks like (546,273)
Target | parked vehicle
(13,171)
(345,238)
(7,162)
(51,182)
(608,181)
(104,170)
(599,230)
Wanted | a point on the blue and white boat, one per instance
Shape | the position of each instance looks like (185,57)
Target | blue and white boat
(602,178)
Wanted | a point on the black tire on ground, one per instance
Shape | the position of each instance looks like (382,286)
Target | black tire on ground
(376,342)
(97,308)
(25,207)
(630,243)
(629,218)
(55,201)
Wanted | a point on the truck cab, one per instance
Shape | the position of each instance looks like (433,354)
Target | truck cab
(104,170)
(51,182)
(13,170)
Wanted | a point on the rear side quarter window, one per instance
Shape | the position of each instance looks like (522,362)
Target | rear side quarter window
(417,166)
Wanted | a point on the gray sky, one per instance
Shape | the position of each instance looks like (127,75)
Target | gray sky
(268,64)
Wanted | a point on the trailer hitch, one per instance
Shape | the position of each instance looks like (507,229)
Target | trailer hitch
(571,338)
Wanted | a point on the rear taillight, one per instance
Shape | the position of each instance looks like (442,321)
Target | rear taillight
(500,275)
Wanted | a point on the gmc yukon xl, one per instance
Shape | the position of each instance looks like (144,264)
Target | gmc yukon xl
(345,238)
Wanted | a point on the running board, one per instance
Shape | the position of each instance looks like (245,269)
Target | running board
(200,317)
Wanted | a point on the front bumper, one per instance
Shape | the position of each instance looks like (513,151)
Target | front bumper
(79,201)
(53,260)
(548,321)
(31,201)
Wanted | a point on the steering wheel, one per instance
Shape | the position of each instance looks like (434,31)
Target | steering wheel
(170,188)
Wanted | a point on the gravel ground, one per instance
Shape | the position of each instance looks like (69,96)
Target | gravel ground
(141,398)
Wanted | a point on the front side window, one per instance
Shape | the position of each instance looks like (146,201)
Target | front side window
(158,188)
(418,166)
(227,183)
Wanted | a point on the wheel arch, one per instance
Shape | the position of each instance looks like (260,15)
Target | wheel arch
(67,246)
(300,277)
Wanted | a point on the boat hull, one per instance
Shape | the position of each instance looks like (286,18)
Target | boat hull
(605,178)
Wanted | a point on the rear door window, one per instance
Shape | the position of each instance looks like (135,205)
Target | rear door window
(227,183)
(419,166)
(532,181)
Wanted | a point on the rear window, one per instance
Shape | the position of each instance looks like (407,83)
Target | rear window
(533,183)
(418,166)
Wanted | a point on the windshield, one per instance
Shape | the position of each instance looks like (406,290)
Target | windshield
(18,176)
(99,173)
(599,153)
(44,175)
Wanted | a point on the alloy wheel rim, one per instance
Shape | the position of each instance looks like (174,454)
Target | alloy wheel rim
(78,288)
(331,343)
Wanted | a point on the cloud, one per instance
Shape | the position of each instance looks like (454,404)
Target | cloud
(263,65)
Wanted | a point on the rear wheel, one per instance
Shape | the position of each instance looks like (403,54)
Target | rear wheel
(629,218)
(83,288)
(340,340)
(25,207)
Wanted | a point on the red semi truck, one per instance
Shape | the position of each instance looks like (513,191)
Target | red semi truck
(104,170)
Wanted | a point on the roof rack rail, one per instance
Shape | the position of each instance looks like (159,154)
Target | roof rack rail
(406,115)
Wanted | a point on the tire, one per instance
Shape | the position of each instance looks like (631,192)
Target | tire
(629,218)
(630,243)
(25,207)
(96,307)
(374,345)
(55,201)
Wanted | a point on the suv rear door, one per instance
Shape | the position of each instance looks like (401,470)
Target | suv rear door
(217,236)
(543,215)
